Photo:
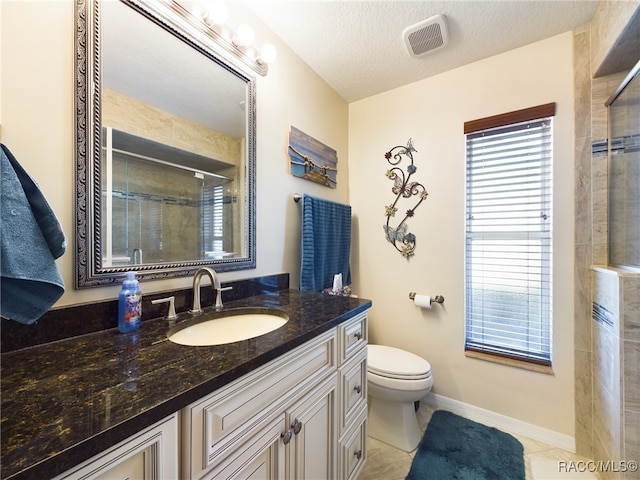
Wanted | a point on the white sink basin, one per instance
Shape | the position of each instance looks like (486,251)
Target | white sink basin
(218,328)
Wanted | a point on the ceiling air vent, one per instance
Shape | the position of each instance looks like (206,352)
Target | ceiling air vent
(426,36)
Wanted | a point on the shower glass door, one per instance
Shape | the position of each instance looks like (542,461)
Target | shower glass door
(624,173)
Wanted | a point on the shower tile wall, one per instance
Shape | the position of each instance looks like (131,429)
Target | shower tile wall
(615,340)
(582,254)
(607,355)
(616,359)
(631,352)
(597,357)
(133,116)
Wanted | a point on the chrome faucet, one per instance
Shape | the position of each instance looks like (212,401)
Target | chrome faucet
(215,284)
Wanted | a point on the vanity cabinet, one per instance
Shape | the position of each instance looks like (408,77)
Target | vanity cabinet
(151,454)
(300,416)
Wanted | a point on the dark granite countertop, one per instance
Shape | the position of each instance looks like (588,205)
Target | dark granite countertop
(66,401)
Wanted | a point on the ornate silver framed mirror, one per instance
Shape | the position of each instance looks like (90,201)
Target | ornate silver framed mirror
(165,145)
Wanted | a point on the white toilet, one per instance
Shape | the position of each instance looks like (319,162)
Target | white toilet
(396,380)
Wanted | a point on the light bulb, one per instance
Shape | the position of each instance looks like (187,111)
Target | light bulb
(268,53)
(244,35)
(215,12)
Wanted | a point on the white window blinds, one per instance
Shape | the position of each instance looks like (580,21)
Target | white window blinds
(213,218)
(508,235)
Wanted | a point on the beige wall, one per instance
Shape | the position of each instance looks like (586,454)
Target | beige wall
(432,112)
(38,124)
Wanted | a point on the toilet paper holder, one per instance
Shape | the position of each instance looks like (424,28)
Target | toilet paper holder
(436,299)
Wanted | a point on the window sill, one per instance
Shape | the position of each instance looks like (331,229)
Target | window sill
(510,362)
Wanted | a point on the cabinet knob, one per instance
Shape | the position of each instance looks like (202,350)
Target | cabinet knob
(286,436)
(357,388)
(358,454)
(358,335)
(296,426)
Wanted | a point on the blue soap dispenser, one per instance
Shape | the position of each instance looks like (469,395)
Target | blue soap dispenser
(129,304)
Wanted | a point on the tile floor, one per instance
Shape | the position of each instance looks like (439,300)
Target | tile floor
(385,462)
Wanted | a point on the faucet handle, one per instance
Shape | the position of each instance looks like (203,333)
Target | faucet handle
(172,307)
(219,296)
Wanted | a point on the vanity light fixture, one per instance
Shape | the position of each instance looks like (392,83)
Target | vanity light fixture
(213,15)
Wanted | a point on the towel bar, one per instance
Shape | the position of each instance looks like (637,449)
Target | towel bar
(297,197)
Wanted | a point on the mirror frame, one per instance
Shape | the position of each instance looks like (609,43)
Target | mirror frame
(89,271)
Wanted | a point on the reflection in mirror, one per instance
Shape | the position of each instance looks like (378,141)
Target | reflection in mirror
(164,204)
(166,144)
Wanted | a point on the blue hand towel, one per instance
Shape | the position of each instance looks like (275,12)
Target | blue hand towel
(30,239)
(326,243)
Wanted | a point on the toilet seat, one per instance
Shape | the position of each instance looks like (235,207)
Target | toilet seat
(394,363)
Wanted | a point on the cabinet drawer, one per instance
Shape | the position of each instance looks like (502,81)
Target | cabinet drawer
(353,448)
(353,385)
(352,335)
(213,426)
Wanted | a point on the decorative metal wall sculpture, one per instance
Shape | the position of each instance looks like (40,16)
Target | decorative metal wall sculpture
(402,240)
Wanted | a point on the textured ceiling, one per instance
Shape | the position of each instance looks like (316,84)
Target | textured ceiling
(357,46)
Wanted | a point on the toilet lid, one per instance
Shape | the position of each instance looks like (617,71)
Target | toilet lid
(393,362)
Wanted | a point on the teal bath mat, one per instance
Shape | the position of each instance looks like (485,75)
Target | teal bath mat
(455,448)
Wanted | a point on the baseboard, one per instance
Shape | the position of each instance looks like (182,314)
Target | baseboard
(502,422)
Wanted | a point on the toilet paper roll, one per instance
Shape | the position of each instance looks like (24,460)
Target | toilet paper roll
(422,301)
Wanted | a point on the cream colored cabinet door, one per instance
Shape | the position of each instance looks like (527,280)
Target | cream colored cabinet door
(261,456)
(298,444)
(311,453)
(151,454)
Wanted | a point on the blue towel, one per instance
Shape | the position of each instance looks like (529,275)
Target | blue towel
(30,239)
(326,243)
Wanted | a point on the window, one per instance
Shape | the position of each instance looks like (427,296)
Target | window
(213,219)
(508,235)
